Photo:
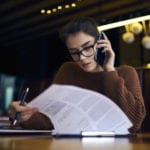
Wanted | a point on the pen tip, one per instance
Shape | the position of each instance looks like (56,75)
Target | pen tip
(27,89)
(14,123)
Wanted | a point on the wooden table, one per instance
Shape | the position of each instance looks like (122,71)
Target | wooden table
(141,142)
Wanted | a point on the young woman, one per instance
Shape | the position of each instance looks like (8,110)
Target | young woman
(121,84)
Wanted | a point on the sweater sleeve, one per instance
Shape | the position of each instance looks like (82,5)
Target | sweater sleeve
(123,87)
(37,121)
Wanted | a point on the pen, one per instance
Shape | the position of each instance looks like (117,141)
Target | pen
(21,104)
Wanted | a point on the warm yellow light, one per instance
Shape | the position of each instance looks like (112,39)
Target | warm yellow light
(67,6)
(123,23)
(48,11)
(54,9)
(59,7)
(42,11)
(148,65)
(73,5)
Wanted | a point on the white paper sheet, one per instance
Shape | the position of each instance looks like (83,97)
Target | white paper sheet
(73,109)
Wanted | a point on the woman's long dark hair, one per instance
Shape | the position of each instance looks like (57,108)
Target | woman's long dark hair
(80,24)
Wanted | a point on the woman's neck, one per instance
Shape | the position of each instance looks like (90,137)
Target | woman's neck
(98,69)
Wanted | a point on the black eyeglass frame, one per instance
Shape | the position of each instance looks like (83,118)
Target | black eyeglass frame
(81,52)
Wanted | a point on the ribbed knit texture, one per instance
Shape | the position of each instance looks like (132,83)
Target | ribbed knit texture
(121,86)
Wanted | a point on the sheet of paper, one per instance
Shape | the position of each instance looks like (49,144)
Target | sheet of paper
(73,109)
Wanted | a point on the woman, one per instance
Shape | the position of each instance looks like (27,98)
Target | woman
(121,84)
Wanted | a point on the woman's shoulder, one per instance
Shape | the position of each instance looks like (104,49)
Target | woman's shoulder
(126,69)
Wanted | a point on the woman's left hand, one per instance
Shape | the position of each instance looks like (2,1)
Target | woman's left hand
(109,53)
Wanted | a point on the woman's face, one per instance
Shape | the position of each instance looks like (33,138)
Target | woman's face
(77,43)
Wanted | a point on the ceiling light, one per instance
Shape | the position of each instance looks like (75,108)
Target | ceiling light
(128,37)
(148,65)
(42,11)
(48,11)
(67,6)
(73,5)
(123,23)
(146,41)
(59,7)
(136,28)
(54,9)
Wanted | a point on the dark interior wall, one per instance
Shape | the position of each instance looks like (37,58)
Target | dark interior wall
(33,59)
(113,36)
(14,61)
(22,62)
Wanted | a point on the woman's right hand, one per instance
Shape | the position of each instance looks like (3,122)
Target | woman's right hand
(25,111)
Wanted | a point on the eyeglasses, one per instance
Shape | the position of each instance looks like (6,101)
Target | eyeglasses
(86,51)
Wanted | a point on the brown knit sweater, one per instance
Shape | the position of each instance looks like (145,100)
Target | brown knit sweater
(122,86)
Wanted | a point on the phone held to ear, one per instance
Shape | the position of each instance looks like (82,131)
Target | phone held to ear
(99,56)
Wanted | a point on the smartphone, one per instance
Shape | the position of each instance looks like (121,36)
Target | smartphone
(99,56)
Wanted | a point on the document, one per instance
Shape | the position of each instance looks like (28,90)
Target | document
(74,110)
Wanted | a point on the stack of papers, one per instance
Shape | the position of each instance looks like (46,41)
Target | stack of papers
(74,110)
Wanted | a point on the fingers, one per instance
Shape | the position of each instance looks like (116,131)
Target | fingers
(105,36)
(27,114)
(12,109)
(25,111)
(17,107)
(105,44)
